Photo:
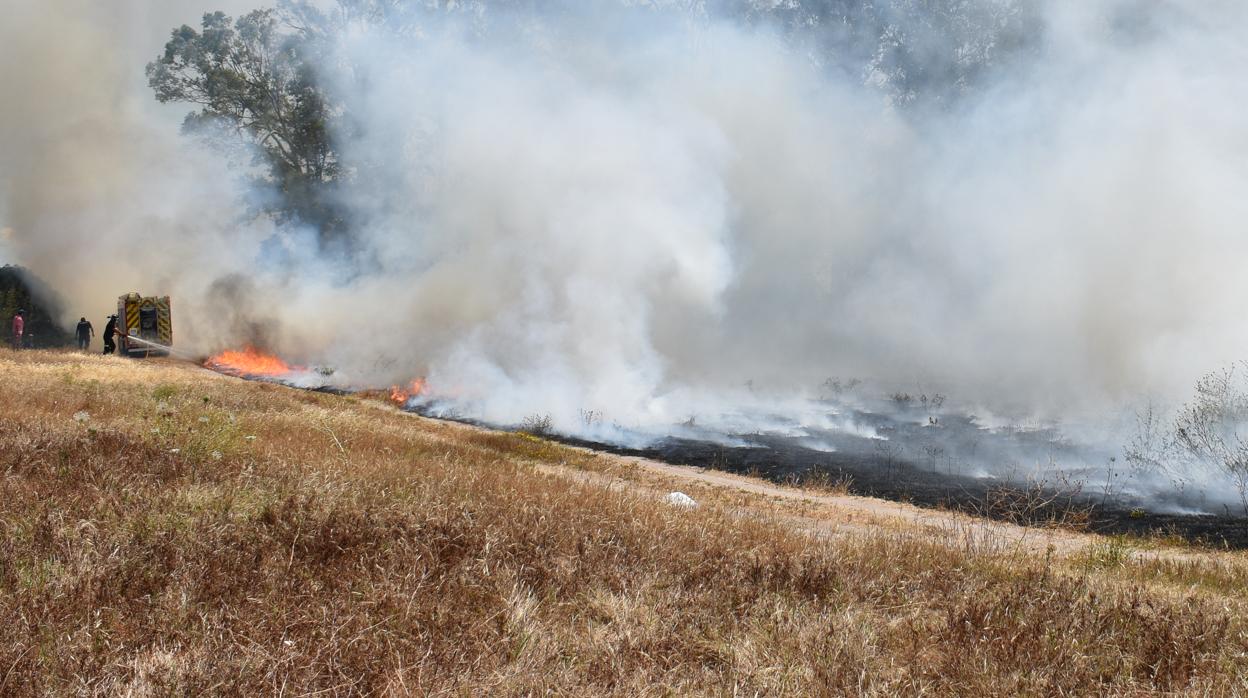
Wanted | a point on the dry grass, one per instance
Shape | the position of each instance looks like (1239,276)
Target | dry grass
(189,533)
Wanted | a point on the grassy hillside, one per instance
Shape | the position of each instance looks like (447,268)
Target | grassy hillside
(166,530)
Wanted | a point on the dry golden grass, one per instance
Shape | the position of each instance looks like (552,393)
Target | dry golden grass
(187,533)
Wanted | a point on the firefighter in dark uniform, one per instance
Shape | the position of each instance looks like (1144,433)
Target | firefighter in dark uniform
(110,345)
(85,333)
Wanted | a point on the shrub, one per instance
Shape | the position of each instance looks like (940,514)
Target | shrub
(537,425)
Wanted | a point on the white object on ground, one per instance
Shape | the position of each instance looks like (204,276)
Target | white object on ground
(680,499)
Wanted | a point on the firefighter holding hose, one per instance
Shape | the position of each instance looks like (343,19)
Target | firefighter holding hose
(110,330)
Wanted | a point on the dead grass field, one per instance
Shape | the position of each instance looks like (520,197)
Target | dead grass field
(168,531)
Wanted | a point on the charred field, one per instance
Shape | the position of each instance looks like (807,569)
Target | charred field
(898,479)
(169,530)
(911,455)
(910,467)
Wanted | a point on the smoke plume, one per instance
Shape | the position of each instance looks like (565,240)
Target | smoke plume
(99,193)
(636,210)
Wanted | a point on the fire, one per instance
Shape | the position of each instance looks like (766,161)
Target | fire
(250,361)
(402,395)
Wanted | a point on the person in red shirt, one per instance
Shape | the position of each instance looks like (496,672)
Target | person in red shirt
(19,328)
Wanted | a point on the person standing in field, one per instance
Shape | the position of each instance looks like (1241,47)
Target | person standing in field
(85,333)
(110,329)
(19,328)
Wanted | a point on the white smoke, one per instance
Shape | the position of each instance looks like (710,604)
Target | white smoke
(99,193)
(605,219)
(637,213)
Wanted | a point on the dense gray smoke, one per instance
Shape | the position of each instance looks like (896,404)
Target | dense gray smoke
(99,193)
(639,211)
(597,219)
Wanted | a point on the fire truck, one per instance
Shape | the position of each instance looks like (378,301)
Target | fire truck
(144,324)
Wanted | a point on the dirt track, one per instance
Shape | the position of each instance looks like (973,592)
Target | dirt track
(821,513)
(839,515)
(832,514)
(817,512)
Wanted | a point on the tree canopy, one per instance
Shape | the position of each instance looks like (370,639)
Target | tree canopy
(258,79)
(253,77)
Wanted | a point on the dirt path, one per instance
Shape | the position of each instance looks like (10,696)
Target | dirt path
(840,515)
(819,513)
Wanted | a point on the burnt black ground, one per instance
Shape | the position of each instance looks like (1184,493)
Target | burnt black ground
(897,479)
(925,462)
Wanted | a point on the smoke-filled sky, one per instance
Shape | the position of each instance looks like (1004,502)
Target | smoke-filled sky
(99,192)
(636,210)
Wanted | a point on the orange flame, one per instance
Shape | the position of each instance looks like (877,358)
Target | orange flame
(250,361)
(402,395)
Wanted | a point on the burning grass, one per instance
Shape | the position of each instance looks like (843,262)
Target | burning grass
(249,361)
(191,533)
(401,394)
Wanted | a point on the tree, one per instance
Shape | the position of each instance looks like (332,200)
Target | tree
(1214,425)
(255,78)
(19,288)
(10,303)
(259,80)
(1208,435)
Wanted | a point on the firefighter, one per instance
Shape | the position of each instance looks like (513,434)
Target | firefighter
(85,333)
(109,330)
(19,328)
